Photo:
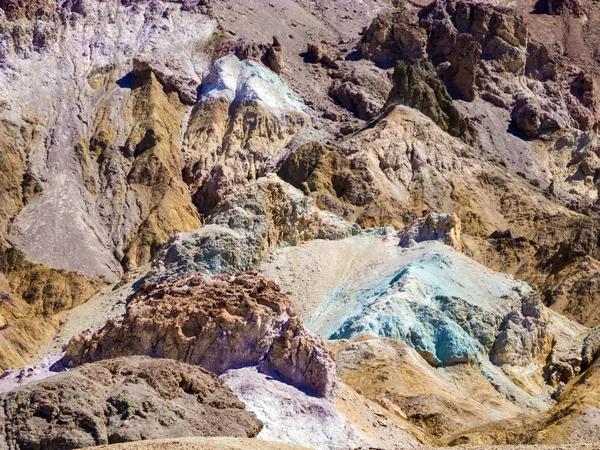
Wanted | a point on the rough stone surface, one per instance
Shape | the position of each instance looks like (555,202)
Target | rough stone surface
(291,415)
(219,323)
(122,400)
(444,227)
(244,226)
(203,444)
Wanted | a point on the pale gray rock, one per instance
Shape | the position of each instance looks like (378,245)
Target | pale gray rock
(245,226)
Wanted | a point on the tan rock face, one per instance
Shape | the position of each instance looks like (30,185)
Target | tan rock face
(445,227)
(244,119)
(219,323)
(395,376)
(122,400)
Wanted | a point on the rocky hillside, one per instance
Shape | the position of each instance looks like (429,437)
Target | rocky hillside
(299,224)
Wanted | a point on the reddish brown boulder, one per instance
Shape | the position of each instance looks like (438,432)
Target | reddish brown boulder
(218,323)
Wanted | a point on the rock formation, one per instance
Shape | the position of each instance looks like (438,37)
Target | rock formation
(244,226)
(444,227)
(425,192)
(122,400)
(218,323)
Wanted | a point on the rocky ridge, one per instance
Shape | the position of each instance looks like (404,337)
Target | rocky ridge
(191,141)
(122,400)
(218,323)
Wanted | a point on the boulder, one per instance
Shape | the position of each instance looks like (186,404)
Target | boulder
(218,323)
(122,400)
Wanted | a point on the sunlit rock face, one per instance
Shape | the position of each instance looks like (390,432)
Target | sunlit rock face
(245,226)
(451,309)
(218,323)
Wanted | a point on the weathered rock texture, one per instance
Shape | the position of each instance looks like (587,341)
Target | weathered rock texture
(444,227)
(219,323)
(476,344)
(125,126)
(204,444)
(244,226)
(122,400)
(393,374)
(293,416)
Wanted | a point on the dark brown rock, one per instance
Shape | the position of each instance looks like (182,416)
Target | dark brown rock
(122,400)
(393,36)
(416,84)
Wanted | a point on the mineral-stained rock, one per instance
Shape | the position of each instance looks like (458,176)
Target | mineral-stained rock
(419,295)
(244,118)
(244,226)
(416,84)
(445,227)
(122,400)
(38,292)
(219,323)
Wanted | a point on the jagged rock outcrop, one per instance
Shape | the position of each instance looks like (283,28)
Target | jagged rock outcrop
(362,90)
(523,334)
(343,185)
(244,119)
(416,84)
(444,227)
(394,36)
(122,400)
(219,323)
(244,226)
(478,49)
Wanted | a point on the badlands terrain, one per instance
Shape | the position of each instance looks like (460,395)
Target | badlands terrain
(287,224)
